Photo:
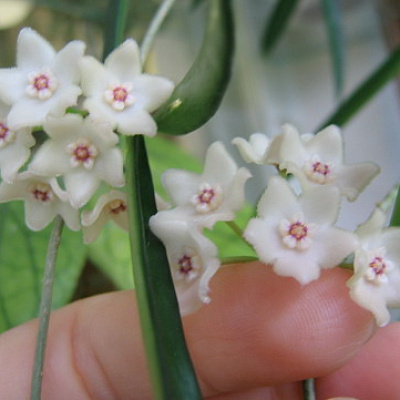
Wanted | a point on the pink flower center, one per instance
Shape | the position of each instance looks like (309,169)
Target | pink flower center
(377,265)
(318,171)
(208,198)
(3,131)
(83,152)
(6,136)
(321,168)
(295,233)
(120,93)
(119,96)
(41,81)
(298,231)
(185,265)
(117,207)
(42,84)
(42,193)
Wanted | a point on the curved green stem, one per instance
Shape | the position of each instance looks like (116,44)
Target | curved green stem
(45,308)
(154,27)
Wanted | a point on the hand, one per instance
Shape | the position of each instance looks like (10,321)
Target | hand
(258,338)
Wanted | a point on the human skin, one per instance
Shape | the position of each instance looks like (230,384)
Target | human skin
(260,336)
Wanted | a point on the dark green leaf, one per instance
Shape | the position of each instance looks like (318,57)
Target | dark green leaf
(365,92)
(197,97)
(333,21)
(114,25)
(171,369)
(277,23)
(22,259)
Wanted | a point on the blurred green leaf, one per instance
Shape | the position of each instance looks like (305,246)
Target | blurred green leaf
(22,259)
(277,23)
(197,97)
(334,27)
(388,70)
(229,244)
(111,253)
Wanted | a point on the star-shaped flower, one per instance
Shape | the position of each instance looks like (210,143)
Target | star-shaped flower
(213,196)
(44,82)
(318,160)
(192,258)
(14,146)
(295,234)
(375,284)
(118,91)
(109,206)
(84,152)
(44,199)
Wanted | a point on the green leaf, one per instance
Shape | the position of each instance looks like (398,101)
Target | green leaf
(277,23)
(114,25)
(111,253)
(229,244)
(22,260)
(333,21)
(170,366)
(365,92)
(197,97)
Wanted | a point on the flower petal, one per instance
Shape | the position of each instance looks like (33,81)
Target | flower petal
(151,91)
(124,62)
(33,51)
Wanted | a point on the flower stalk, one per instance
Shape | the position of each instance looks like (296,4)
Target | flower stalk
(45,308)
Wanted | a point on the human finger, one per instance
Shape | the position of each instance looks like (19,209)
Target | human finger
(259,330)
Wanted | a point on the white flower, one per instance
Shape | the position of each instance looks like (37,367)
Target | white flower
(375,284)
(44,199)
(14,146)
(192,257)
(109,206)
(83,152)
(214,195)
(318,160)
(119,93)
(259,149)
(295,234)
(44,82)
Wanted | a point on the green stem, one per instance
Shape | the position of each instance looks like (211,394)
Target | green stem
(235,228)
(154,27)
(45,308)
(238,260)
(309,389)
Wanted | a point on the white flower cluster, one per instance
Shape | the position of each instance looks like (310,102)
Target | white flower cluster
(293,231)
(199,201)
(55,160)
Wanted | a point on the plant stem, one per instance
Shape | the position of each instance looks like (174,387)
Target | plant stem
(238,260)
(235,228)
(309,389)
(154,27)
(45,308)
